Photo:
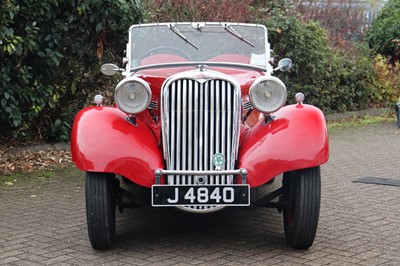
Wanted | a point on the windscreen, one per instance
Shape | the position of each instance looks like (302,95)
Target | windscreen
(196,42)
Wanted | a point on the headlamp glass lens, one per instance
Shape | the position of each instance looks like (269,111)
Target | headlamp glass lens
(268,94)
(132,96)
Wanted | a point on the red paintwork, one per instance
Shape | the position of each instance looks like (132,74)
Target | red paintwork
(103,140)
(296,139)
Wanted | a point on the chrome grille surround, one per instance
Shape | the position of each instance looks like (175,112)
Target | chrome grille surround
(200,111)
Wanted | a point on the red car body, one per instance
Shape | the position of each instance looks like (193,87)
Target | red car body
(103,141)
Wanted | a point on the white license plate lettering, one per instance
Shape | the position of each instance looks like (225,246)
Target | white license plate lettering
(215,195)
(190,195)
(175,200)
(164,195)
(203,195)
(229,195)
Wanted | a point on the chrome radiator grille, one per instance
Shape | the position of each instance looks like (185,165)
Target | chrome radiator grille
(200,120)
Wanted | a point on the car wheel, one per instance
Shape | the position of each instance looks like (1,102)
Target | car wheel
(302,189)
(100,209)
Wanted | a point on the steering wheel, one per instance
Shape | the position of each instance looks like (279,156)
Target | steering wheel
(160,48)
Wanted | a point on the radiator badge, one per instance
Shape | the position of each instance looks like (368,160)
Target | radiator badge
(218,160)
(201,77)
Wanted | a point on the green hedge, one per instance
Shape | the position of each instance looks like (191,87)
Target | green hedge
(384,35)
(334,80)
(50,53)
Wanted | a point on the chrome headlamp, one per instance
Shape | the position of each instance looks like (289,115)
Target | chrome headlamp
(268,94)
(132,95)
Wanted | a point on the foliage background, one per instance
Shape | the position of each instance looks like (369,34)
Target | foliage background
(335,75)
(384,35)
(51,51)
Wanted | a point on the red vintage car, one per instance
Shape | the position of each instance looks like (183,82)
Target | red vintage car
(200,122)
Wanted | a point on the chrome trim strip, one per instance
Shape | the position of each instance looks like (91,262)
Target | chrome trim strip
(230,148)
(173,107)
(206,123)
(190,153)
(218,134)
(184,128)
(201,126)
(193,23)
(224,112)
(196,125)
(241,172)
(178,130)
(196,65)
(212,131)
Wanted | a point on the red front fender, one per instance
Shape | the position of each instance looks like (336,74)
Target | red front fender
(296,139)
(103,140)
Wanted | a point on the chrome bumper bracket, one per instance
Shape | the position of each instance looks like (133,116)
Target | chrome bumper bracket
(159,172)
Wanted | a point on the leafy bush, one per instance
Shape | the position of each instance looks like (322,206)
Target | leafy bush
(387,82)
(356,75)
(333,80)
(384,35)
(50,52)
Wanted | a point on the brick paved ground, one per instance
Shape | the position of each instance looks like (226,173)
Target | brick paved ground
(359,223)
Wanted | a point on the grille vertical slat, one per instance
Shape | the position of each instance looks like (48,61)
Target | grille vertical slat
(218,125)
(201,127)
(200,122)
(205,131)
(178,89)
(212,118)
(190,127)
(196,126)
(223,124)
(229,134)
(173,127)
(184,129)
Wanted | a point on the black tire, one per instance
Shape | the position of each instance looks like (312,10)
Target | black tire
(303,191)
(100,209)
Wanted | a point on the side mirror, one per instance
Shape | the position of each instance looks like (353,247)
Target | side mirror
(110,69)
(284,65)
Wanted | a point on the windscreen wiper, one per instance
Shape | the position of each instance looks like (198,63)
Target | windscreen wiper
(180,35)
(232,31)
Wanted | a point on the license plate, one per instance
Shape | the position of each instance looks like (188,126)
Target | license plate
(186,195)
